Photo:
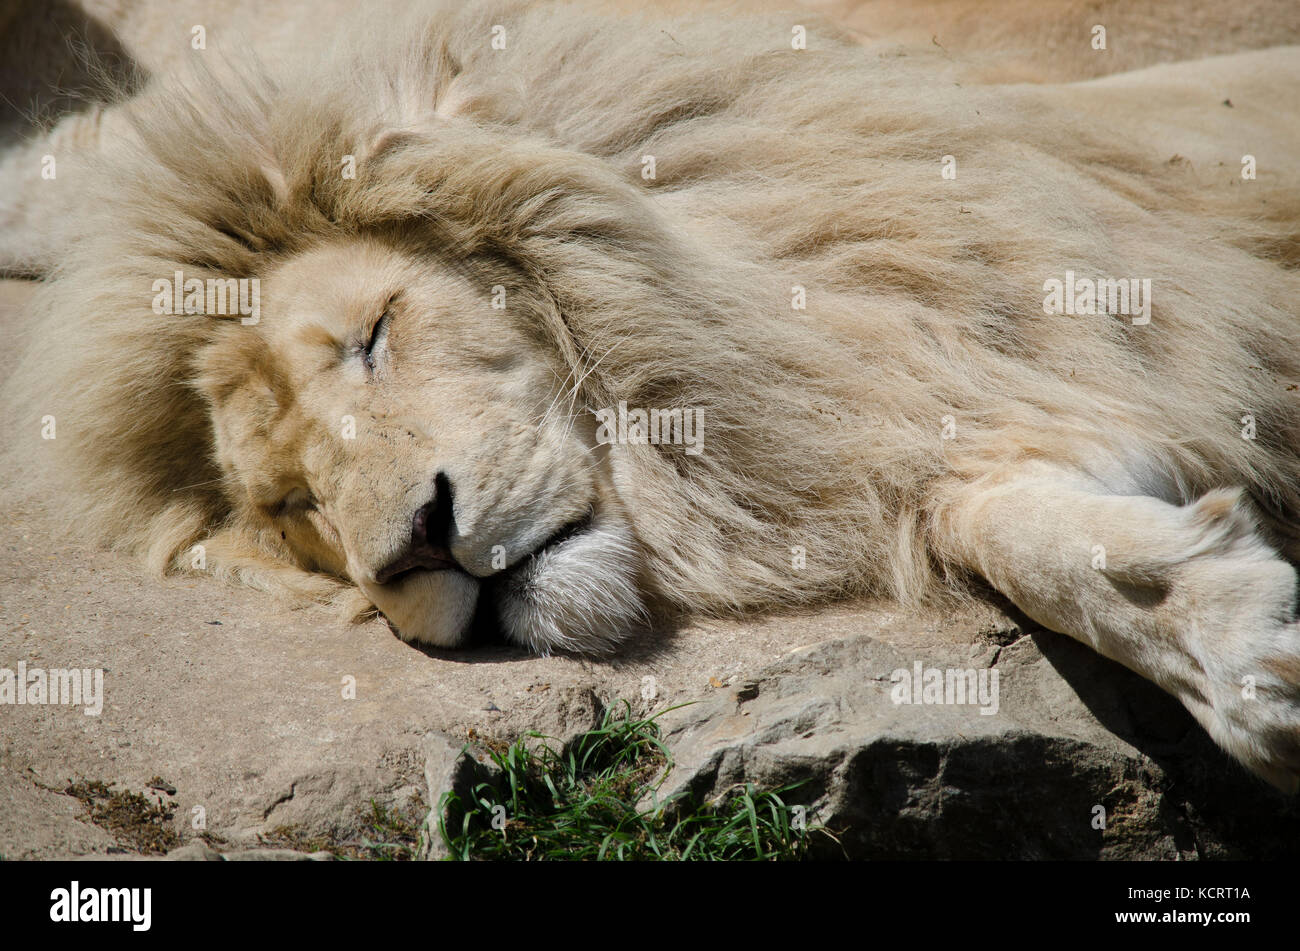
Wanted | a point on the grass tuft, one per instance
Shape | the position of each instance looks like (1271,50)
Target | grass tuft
(597,799)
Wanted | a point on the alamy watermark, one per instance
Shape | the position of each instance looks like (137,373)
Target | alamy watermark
(78,687)
(217,296)
(1128,297)
(77,904)
(678,427)
(930,685)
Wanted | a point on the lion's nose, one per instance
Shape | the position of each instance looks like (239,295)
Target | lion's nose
(429,547)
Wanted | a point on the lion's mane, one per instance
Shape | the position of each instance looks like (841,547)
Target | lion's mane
(773,168)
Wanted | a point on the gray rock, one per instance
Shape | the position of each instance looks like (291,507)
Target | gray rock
(276,855)
(1075,740)
(196,851)
(40,823)
(449,767)
(199,851)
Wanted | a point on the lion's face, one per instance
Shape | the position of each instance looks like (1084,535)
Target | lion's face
(392,427)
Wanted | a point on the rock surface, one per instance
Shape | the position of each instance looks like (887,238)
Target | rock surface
(1082,760)
(240,713)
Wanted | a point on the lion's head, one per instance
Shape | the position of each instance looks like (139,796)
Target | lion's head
(397,430)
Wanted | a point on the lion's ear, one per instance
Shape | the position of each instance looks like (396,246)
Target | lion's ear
(242,388)
(234,362)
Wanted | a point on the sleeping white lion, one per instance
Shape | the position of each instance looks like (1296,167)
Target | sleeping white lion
(570,320)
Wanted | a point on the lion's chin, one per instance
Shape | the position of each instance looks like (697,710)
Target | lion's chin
(430,607)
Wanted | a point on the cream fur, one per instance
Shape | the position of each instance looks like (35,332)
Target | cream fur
(826,427)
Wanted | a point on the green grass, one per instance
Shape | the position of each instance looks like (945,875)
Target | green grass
(597,799)
(390,836)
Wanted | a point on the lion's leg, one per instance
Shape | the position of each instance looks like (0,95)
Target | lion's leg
(1190,597)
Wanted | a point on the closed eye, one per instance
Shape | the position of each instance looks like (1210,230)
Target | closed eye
(378,337)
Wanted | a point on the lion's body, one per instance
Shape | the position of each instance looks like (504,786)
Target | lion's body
(698,215)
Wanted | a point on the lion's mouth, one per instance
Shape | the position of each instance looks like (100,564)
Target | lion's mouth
(566,533)
(441,559)
(433,560)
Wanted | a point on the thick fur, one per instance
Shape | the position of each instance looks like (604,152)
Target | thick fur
(826,427)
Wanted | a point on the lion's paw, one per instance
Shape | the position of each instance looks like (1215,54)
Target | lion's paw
(1255,713)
